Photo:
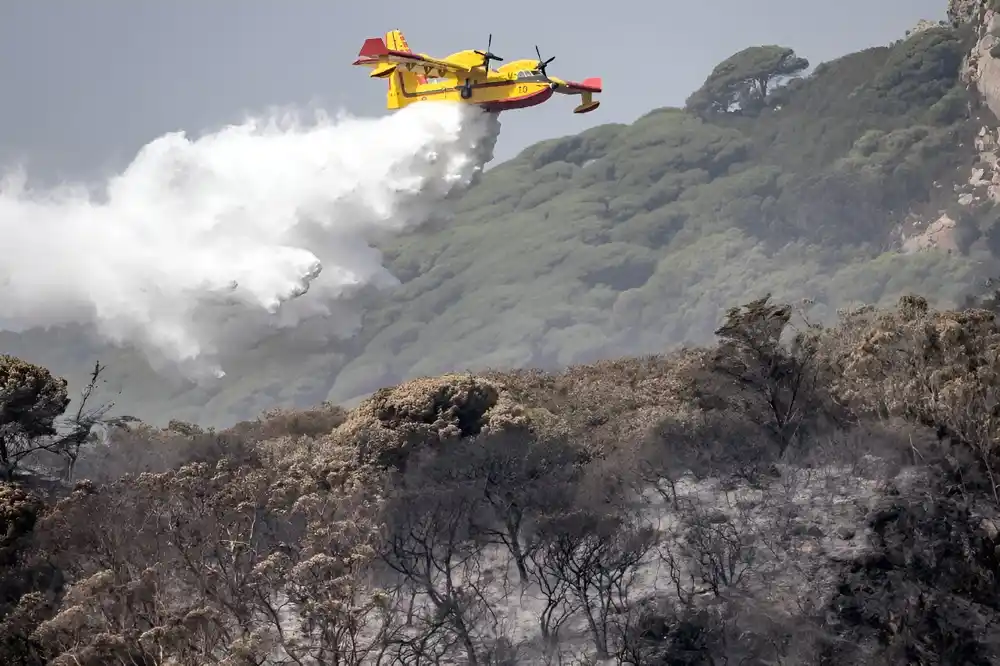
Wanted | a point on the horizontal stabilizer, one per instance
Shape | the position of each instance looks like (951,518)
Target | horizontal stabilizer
(382,71)
(591,85)
(588,87)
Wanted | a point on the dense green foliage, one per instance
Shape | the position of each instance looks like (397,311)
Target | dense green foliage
(632,238)
(628,239)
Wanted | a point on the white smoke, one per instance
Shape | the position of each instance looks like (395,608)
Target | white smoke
(205,245)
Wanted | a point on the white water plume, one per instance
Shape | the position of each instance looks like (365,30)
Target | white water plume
(202,245)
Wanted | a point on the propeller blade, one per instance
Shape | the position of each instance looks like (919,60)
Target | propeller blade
(542,64)
(487,54)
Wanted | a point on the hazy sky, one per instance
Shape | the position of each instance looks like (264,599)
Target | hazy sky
(86,83)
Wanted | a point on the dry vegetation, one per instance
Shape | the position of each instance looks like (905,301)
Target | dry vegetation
(793,495)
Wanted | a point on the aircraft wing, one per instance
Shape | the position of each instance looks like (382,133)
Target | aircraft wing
(592,85)
(374,53)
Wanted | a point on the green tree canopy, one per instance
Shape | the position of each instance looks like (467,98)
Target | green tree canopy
(744,80)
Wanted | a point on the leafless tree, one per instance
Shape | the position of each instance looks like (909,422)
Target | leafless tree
(721,551)
(559,602)
(79,428)
(521,476)
(430,544)
(597,556)
(682,579)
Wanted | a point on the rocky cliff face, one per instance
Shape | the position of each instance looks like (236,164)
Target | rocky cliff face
(981,71)
(982,67)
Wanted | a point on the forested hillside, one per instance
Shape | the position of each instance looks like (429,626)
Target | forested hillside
(835,184)
(630,239)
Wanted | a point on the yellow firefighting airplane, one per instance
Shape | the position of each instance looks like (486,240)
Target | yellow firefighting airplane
(466,76)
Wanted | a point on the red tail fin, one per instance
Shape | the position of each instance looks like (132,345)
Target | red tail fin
(373,48)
